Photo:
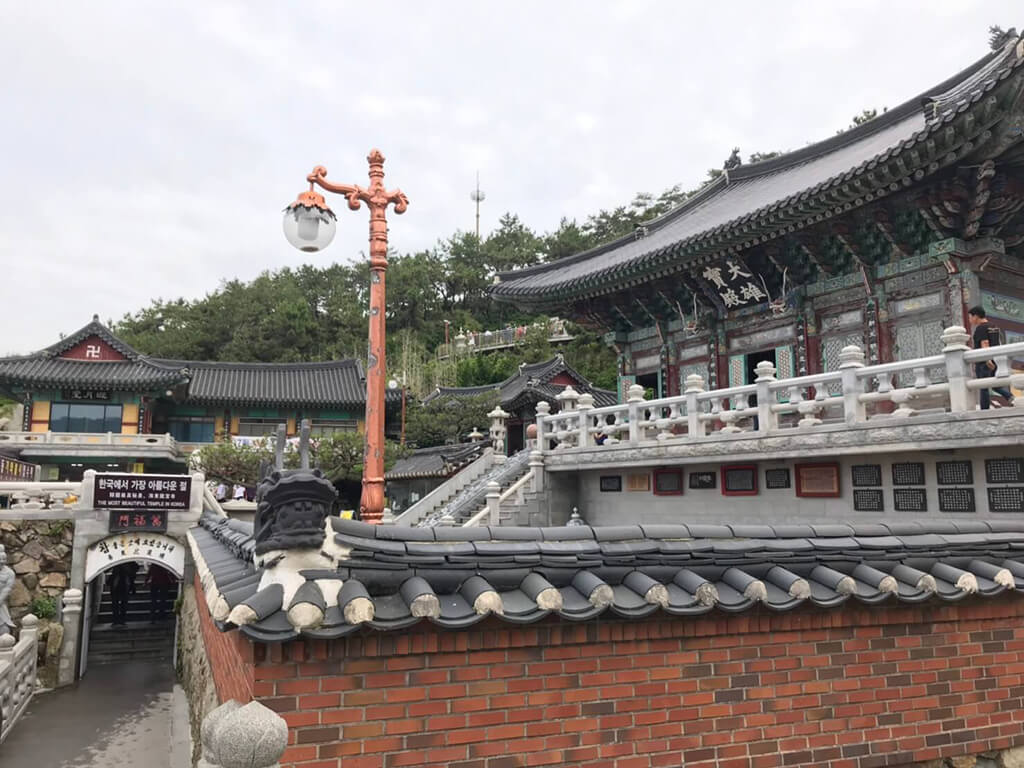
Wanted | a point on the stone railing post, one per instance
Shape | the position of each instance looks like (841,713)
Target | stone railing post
(493,502)
(7,671)
(498,430)
(543,411)
(29,634)
(851,360)
(69,619)
(634,402)
(954,344)
(586,405)
(537,466)
(85,501)
(766,418)
(694,386)
(234,736)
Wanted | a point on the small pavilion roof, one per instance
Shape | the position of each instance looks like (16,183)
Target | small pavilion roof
(531,383)
(439,461)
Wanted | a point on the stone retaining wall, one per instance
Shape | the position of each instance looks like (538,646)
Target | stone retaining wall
(40,552)
(197,675)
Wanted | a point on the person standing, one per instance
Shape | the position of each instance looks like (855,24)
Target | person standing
(984,369)
(160,581)
(122,584)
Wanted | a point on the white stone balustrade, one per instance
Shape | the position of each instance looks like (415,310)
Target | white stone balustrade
(29,495)
(930,385)
(17,673)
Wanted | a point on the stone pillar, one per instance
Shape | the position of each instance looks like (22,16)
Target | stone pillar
(234,736)
(196,497)
(586,405)
(543,411)
(494,503)
(954,340)
(85,501)
(694,386)
(537,465)
(851,359)
(766,417)
(71,615)
(634,401)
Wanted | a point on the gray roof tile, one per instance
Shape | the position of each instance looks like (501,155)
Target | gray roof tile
(615,570)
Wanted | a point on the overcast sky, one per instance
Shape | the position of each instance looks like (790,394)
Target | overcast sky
(147,148)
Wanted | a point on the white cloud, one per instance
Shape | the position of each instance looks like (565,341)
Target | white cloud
(149,147)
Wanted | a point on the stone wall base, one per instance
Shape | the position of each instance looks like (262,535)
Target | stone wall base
(193,665)
(1009,758)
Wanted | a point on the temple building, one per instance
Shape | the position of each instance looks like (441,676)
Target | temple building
(520,393)
(880,236)
(91,401)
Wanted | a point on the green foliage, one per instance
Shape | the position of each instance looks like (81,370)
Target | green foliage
(43,607)
(57,527)
(339,455)
(443,421)
(6,408)
(864,116)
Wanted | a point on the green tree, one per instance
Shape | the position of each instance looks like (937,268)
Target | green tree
(339,456)
(445,421)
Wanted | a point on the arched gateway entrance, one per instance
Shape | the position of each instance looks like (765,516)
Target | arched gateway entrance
(131,547)
(154,564)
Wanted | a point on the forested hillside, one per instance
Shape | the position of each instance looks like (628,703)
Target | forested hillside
(319,313)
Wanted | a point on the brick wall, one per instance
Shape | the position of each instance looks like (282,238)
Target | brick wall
(230,656)
(852,688)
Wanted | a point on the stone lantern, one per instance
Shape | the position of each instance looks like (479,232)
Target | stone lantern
(498,418)
(567,399)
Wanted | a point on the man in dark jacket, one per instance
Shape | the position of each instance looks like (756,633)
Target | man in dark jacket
(982,370)
(122,584)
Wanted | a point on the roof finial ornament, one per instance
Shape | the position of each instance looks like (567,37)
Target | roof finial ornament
(575,519)
(95,318)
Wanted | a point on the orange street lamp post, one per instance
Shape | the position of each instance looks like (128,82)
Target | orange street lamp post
(309,225)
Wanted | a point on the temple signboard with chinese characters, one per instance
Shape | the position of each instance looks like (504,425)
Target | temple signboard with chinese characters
(12,470)
(151,547)
(735,284)
(116,490)
(128,520)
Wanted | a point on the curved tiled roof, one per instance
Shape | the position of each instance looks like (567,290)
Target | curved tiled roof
(531,379)
(438,461)
(140,375)
(339,382)
(456,577)
(753,200)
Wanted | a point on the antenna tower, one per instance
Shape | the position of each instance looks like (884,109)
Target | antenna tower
(477,196)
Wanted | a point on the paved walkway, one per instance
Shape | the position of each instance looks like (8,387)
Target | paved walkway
(119,714)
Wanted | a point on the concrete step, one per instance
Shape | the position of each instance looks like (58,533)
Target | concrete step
(135,641)
(96,659)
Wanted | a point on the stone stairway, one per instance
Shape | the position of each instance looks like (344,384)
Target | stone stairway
(138,639)
(472,498)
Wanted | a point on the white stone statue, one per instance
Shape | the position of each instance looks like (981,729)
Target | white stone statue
(6,585)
